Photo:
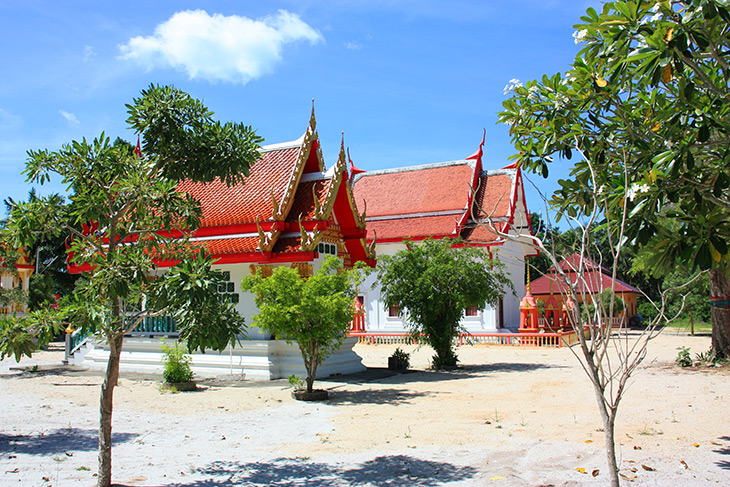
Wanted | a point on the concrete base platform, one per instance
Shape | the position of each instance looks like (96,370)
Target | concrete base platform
(252,359)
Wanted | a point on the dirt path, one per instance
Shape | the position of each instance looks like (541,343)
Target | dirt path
(508,417)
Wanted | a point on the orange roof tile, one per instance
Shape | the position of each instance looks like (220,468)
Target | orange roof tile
(594,282)
(417,189)
(223,205)
(227,246)
(411,227)
(288,244)
(431,200)
(493,196)
(303,200)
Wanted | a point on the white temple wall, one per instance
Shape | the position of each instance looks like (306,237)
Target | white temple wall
(377,317)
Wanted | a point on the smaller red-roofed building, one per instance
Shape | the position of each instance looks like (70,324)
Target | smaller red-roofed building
(455,199)
(592,279)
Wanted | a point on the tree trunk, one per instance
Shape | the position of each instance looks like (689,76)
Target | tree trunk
(609,420)
(720,290)
(105,411)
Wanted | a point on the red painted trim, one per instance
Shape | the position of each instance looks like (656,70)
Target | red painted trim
(24,266)
(267,226)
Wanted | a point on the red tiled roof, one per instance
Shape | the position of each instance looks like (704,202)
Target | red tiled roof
(411,196)
(303,201)
(288,244)
(595,282)
(596,278)
(479,234)
(493,196)
(424,190)
(239,204)
(412,227)
(231,245)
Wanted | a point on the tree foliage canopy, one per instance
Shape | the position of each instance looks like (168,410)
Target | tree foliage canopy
(433,283)
(314,312)
(646,105)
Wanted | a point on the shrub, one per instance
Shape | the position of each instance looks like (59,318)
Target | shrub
(177,364)
(402,358)
(684,359)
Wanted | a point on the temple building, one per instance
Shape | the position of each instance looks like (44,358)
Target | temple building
(293,211)
(456,199)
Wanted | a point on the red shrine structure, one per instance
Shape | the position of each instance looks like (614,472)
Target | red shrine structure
(592,279)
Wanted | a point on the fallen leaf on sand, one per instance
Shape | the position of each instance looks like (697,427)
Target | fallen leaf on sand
(589,441)
(696,445)
(629,436)
(69,454)
(47,479)
(487,422)
(684,464)
(595,472)
(580,469)
(15,470)
(497,478)
(716,443)
(637,447)
(626,477)
(648,468)
(633,469)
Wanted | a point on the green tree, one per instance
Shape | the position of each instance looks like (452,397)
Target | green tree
(48,252)
(40,292)
(314,312)
(646,105)
(127,207)
(433,283)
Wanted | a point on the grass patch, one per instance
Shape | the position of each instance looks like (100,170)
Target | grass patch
(683,325)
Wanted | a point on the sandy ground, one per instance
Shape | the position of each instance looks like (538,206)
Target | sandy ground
(508,417)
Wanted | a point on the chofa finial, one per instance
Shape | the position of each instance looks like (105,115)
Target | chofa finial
(312,119)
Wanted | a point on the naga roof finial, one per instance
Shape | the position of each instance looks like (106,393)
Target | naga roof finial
(312,119)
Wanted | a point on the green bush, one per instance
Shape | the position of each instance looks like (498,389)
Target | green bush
(684,359)
(403,358)
(177,364)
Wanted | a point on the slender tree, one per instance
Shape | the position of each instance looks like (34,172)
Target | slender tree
(648,88)
(123,211)
(315,312)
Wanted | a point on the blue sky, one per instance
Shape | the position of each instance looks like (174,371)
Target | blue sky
(409,82)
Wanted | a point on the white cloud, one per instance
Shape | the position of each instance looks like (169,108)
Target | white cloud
(89,53)
(70,117)
(353,46)
(217,47)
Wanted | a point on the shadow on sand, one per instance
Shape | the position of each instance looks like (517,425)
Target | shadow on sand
(382,375)
(390,471)
(377,396)
(724,450)
(57,442)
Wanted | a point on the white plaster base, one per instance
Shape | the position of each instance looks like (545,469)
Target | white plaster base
(255,359)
